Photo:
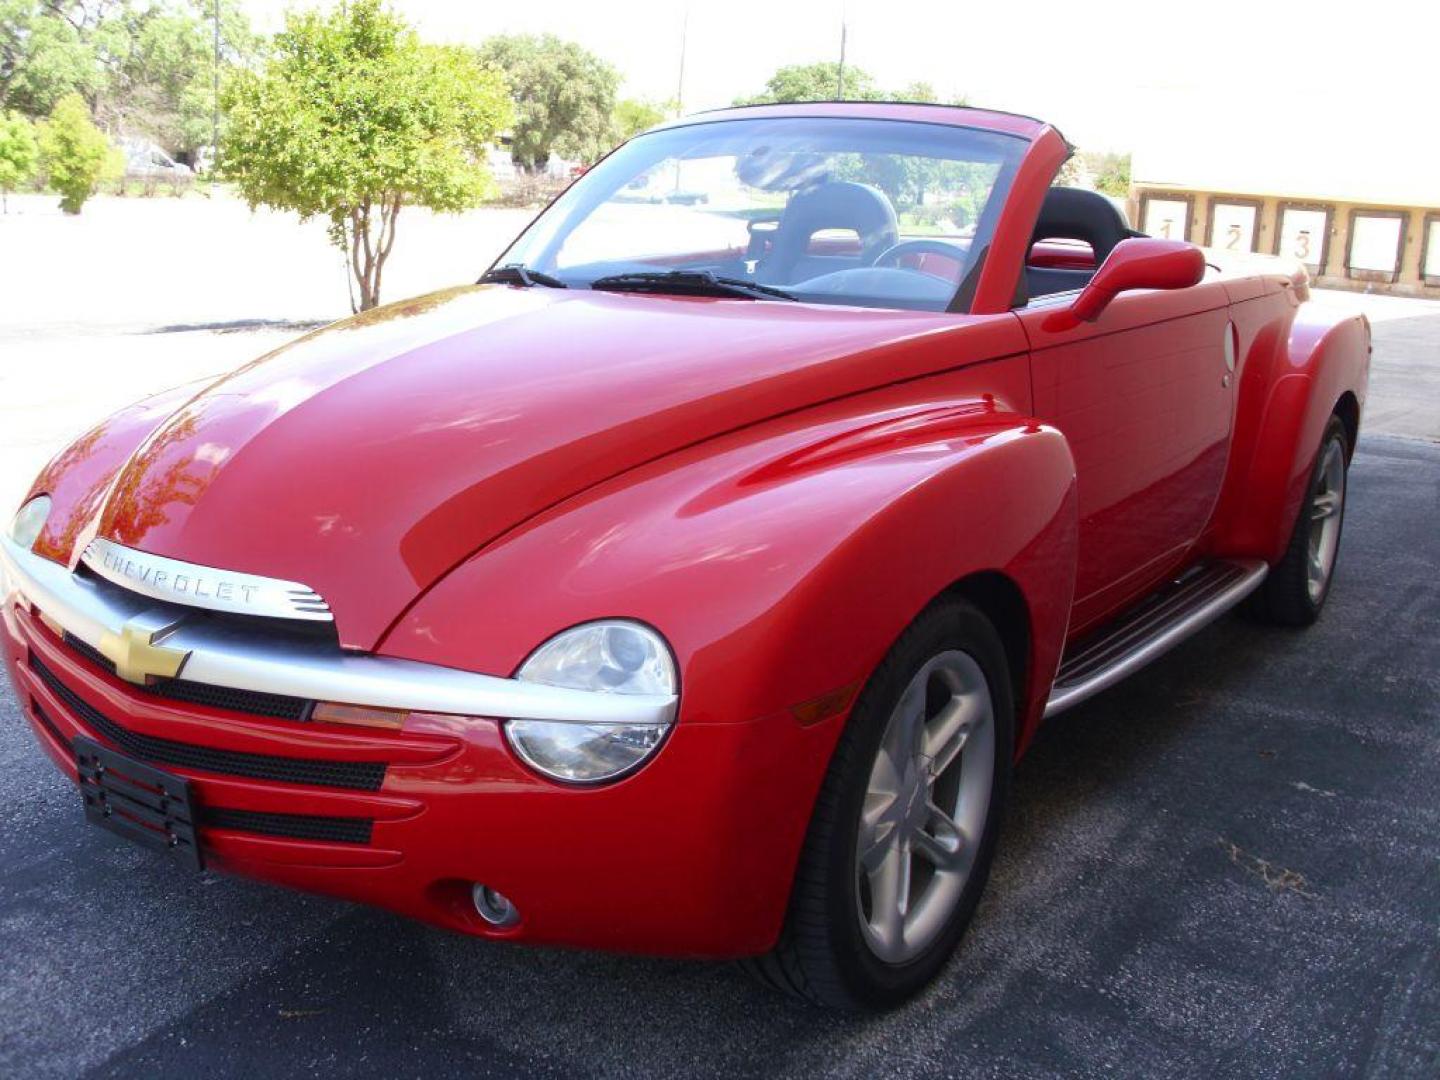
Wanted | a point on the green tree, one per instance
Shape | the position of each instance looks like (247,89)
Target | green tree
(161,82)
(352,118)
(19,154)
(44,55)
(564,97)
(633,116)
(75,153)
(147,67)
(905,179)
(816,82)
(1112,174)
(821,82)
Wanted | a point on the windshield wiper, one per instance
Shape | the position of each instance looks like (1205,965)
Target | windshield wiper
(693,282)
(520,274)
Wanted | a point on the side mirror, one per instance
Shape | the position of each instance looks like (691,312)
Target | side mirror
(1139,263)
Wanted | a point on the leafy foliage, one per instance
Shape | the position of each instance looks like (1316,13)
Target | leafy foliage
(75,153)
(19,152)
(816,82)
(1111,173)
(163,84)
(907,181)
(146,66)
(44,55)
(1107,173)
(564,97)
(353,118)
(632,116)
(821,82)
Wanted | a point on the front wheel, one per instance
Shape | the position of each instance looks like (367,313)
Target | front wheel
(1295,590)
(903,831)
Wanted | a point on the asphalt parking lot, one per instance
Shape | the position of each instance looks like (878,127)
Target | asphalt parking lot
(1228,866)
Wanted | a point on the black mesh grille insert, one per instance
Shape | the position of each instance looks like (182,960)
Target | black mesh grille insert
(89,652)
(359,775)
(343,830)
(48,724)
(253,702)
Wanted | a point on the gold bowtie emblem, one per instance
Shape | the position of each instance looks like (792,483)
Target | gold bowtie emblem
(135,655)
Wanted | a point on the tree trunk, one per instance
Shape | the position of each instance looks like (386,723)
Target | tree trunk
(369,249)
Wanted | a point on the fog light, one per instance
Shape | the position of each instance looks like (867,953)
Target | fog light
(495,909)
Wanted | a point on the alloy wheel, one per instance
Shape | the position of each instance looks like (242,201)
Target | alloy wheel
(925,807)
(1326,507)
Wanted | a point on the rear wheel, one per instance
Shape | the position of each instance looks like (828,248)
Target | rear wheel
(904,828)
(1295,590)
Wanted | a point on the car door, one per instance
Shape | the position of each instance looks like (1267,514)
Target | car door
(1144,396)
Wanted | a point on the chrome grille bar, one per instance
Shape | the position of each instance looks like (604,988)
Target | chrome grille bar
(222,654)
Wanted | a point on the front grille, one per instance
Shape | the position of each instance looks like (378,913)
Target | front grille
(253,702)
(343,830)
(358,775)
(48,724)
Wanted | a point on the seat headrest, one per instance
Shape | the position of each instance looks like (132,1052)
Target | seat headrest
(1076,214)
(833,204)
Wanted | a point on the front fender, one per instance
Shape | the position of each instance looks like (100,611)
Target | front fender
(781,562)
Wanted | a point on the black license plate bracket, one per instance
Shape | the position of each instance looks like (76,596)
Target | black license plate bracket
(138,801)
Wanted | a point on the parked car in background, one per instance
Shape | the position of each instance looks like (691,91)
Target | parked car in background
(692,583)
(145,160)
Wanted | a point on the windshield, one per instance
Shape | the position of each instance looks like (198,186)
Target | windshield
(875,213)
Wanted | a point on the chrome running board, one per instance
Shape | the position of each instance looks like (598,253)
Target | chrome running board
(1152,628)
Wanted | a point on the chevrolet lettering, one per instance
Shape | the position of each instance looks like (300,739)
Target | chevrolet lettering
(182,585)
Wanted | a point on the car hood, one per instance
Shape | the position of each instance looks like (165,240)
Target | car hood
(369,458)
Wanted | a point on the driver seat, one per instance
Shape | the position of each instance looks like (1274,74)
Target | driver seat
(831,204)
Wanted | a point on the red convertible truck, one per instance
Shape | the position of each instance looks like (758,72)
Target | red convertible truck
(691,583)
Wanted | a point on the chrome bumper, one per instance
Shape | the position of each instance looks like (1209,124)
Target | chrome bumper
(223,655)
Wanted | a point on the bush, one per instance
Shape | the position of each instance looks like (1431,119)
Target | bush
(76,154)
(19,153)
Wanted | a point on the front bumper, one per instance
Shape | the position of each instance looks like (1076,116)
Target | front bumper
(691,855)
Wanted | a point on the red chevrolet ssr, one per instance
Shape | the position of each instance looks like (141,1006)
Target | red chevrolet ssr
(691,583)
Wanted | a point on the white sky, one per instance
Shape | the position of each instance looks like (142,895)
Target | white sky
(1104,73)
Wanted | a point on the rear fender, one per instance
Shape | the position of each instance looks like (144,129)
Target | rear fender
(1297,370)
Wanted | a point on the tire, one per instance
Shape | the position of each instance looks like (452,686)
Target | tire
(1295,590)
(840,946)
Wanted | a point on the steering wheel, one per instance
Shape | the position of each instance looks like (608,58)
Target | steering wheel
(893,255)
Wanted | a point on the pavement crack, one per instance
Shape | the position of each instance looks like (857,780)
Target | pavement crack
(1276,878)
(301,1014)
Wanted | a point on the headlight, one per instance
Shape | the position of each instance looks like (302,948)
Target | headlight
(28,523)
(610,657)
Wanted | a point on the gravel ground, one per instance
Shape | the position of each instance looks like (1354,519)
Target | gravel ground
(1227,866)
